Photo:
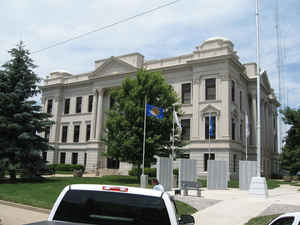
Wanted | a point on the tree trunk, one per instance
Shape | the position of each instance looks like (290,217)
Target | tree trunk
(12,175)
(138,172)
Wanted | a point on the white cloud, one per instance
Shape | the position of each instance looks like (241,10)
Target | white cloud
(170,31)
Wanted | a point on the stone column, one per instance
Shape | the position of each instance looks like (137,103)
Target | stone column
(57,116)
(99,120)
(195,118)
(254,120)
(94,114)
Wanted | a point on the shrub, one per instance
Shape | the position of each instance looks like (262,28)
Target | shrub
(176,171)
(151,172)
(287,178)
(276,176)
(66,167)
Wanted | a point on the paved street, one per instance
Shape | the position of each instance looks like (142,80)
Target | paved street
(226,207)
(11,215)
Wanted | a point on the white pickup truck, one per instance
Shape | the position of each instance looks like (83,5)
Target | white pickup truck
(80,204)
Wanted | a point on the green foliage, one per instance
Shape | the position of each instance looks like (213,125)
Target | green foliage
(290,156)
(125,120)
(261,220)
(66,167)
(184,209)
(21,118)
(151,172)
(176,171)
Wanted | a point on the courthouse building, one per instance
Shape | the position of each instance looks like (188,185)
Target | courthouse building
(210,80)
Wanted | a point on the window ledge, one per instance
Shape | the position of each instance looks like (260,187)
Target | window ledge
(210,101)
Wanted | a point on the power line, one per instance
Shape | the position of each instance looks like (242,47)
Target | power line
(106,27)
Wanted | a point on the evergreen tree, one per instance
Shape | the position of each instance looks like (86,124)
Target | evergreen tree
(290,156)
(125,120)
(21,118)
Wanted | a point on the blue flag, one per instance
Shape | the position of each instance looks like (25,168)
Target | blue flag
(211,126)
(154,111)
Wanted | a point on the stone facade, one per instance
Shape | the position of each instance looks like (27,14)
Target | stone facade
(209,81)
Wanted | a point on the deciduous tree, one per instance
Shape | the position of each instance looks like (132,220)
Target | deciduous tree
(125,120)
(290,156)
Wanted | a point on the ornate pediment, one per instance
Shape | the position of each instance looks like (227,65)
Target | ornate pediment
(265,81)
(210,109)
(113,66)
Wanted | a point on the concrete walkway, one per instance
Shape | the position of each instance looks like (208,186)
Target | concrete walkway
(236,207)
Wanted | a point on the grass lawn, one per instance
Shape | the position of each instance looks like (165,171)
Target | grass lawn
(43,194)
(261,220)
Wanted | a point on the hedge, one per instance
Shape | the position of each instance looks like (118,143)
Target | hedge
(66,167)
(151,172)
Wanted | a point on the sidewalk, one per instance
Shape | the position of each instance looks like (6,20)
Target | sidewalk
(236,207)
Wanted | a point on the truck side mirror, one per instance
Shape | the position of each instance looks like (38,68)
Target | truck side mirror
(186,219)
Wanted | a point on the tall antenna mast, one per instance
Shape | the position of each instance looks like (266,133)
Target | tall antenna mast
(279,131)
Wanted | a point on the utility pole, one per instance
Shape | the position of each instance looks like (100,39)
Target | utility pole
(258,186)
(279,124)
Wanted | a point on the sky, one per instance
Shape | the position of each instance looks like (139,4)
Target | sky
(167,32)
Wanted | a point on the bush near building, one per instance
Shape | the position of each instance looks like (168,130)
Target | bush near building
(66,167)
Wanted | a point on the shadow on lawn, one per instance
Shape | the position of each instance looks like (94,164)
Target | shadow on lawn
(6,180)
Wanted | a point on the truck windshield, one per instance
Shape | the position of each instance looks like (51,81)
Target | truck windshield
(111,208)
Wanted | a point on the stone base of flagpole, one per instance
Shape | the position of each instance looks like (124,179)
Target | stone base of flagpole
(258,187)
(144,181)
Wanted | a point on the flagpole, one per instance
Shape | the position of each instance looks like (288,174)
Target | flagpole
(246,135)
(209,128)
(173,139)
(143,166)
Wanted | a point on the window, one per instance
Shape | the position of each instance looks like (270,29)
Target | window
(74,158)
(90,107)
(232,91)
(44,156)
(47,133)
(241,100)
(76,133)
(206,157)
(111,102)
(62,158)
(284,221)
(78,104)
(213,132)
(210,89)
(88,132)
(113,163)
(64,135)
(111,207)
(186,93)
(186,129)
(49,106)
(67,106)
(232,129)
(234,163)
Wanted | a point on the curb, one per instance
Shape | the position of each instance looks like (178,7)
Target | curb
(27,207)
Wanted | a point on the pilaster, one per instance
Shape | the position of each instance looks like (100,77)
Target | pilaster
(99,120)
(195,118)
